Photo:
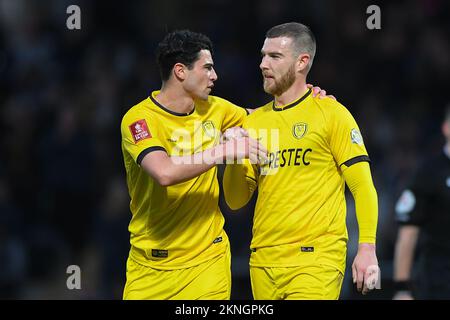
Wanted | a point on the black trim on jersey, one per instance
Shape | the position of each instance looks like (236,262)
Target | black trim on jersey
(355,160)
(247,111)
(146,152)
(251,179)
(170,111)
(293,104)
(409,223)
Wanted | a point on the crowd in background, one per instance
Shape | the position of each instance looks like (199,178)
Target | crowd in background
(63,195)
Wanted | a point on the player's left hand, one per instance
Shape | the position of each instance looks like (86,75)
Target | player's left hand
(318,91)
(365,270)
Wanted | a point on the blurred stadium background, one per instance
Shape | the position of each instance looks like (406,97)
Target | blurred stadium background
(63,196)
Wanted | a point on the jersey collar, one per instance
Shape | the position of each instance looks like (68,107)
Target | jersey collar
(179,114)
(291,105)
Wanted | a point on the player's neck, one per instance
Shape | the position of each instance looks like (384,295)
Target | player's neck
(296,91)
(175,100)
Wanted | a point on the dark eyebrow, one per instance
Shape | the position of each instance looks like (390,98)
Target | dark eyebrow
(208,65)
(272,54)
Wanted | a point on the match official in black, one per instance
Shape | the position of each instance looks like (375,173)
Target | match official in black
(423,212)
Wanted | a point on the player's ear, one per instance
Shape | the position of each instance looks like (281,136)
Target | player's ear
(179,71)
(302,62)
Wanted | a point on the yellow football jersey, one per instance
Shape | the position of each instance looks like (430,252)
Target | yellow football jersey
(300,214)
(181,225)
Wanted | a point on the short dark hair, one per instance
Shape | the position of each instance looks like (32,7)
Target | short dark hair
(302,37)
(180,46)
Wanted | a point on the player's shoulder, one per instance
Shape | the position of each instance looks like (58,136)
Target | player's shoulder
(139,110)
(329,105)
(331,109)
(259,112)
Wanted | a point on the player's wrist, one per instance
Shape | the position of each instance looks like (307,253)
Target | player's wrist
(371,247)
(402,285)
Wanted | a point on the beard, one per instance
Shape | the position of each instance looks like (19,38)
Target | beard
(284,83)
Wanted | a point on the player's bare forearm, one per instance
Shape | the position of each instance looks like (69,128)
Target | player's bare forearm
(404,252)
(169,170)
(403,261)
(172,170)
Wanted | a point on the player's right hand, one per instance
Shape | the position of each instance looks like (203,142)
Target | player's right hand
(365,270)
(240,148)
